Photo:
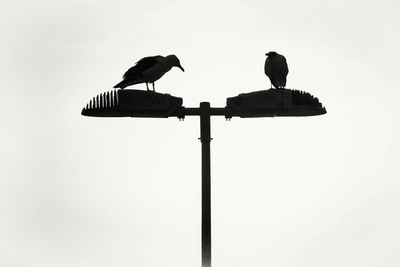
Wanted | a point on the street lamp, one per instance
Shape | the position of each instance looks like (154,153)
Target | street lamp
(265,103)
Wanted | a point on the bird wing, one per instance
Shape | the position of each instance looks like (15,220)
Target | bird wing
(276,67)
(141,66)
(285,68)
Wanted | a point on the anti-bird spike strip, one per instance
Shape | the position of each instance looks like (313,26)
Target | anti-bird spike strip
(304,98)
(103,101)
(132,103)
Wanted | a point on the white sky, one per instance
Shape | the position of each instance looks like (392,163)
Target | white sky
(318,191)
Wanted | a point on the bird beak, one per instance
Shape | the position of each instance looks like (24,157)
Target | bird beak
(266,54)
(181,68)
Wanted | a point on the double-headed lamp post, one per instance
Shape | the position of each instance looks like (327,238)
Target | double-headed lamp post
(265,103)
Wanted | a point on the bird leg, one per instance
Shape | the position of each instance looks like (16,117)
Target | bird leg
(147,86)
(153,87)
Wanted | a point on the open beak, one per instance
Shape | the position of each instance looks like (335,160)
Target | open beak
(181,68)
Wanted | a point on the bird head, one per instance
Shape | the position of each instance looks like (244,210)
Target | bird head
(272,53)
(174,60)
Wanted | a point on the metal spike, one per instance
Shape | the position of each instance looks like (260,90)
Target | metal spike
(112,98)
(105,100)
(108,99)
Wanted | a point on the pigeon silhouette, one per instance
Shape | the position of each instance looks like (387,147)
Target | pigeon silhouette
(276,69)
(148,70)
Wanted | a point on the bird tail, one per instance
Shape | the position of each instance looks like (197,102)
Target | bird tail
(279,83)
(121,85)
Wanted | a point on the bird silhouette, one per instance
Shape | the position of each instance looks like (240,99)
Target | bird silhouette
(148,70)
(276,69)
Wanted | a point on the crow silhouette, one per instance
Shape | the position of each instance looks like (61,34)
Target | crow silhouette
(148,70)
(276,69)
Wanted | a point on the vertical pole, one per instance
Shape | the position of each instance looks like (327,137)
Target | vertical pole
(205,137)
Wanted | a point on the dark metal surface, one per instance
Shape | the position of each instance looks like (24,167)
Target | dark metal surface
(265,103)
(275,103)
(205,138)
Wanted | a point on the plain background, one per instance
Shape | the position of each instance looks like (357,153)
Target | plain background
(318,191)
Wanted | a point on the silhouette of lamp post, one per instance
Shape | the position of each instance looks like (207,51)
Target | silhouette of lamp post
(265,103)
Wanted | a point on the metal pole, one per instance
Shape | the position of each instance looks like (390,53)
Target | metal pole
(205,137)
